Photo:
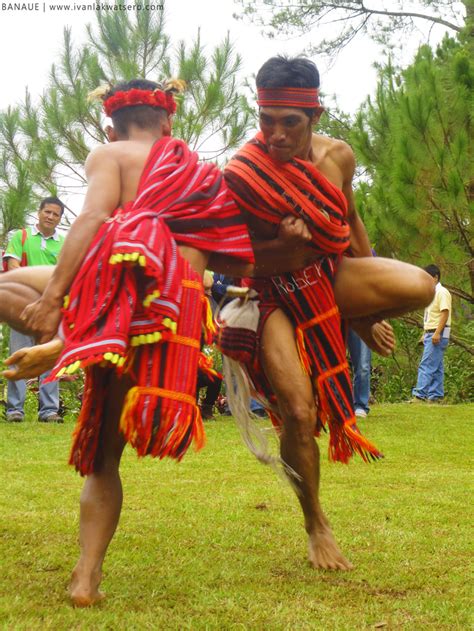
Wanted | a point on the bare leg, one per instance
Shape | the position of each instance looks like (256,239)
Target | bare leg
(101,503)
(13,299)
(19,288)
(35,277)
(299,450)
(380,287)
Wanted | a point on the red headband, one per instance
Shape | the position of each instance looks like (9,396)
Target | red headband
(288,97)
(155,98)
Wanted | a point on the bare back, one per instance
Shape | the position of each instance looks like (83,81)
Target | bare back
(130,157)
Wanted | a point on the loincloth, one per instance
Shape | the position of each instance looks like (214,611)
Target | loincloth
(307,299)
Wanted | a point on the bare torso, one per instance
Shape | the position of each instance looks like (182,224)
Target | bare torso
(131,157)
(332,158)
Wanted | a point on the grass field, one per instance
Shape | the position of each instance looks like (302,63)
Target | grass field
(216,542)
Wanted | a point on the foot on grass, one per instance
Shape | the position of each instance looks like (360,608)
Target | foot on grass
(323,552)
(27,363)
(378,336)
(84,590)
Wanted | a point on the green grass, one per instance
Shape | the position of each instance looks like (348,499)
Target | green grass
(216,542)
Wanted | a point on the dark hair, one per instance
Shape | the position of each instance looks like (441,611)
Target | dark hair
(143,116)
(289,72)
(52,200)
(433,270)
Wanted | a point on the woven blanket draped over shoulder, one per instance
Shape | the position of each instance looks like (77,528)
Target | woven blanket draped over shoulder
(271,190)
(136,305)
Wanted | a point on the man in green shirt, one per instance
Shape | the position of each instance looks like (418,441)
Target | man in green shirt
(35,245)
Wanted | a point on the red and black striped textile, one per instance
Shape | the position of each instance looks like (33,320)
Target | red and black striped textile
(288,97)
(137,306)
(272,190)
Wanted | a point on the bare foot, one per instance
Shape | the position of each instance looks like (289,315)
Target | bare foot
(378,336)
(324,553)
(31,362)
(84,591)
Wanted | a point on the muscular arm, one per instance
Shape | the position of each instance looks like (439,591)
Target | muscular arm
(102,198)
(360,244)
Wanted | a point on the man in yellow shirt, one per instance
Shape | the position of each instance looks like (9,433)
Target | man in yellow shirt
(437,327)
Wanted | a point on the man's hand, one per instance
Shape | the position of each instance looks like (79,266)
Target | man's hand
(293,231)
(42,318)
(436,338)
(33,361)
(378,335)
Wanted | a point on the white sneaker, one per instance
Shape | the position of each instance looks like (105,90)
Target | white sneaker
(360,413)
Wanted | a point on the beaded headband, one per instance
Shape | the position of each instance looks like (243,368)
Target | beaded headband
(304,98)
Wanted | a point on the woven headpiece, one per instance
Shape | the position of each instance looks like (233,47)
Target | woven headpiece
(305,98)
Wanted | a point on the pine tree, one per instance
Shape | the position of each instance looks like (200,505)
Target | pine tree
(44,145)
(415,140)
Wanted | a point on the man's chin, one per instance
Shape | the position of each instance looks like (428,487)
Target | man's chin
(280,156)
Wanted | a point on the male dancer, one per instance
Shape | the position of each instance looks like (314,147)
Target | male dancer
(132,264)
(279,258)
(288,170)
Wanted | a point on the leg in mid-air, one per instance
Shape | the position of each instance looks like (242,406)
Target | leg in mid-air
(367,290)
(295,398)
(21,287)
(381,288)
(18,288)
(101,499)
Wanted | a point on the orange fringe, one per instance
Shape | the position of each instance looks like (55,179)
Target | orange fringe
(172,437)
(344,440)
(208,321)
(303,355)
(205,364)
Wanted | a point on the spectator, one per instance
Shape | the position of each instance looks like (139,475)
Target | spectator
(437,329)
(361,358)
(37,245)
(219,287)
(212,383)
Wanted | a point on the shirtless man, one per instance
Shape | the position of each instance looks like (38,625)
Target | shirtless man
(127,179)
(267,183)
(298,447)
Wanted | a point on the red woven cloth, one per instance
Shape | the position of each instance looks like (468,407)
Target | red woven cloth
(272,190)
(136,305)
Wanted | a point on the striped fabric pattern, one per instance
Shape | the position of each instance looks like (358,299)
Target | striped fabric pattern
(288,97)
(271,191)
(137,306)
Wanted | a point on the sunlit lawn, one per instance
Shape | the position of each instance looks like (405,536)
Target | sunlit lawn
(216,542)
